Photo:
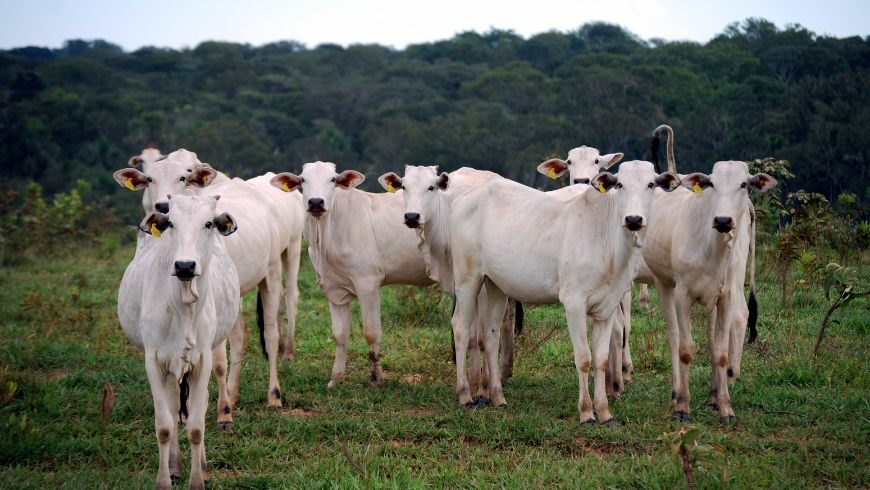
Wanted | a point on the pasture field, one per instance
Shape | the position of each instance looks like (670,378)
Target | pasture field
(801,422)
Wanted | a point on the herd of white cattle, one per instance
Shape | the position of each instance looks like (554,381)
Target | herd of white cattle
(207,239)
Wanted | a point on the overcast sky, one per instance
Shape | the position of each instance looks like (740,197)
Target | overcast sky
(185,23)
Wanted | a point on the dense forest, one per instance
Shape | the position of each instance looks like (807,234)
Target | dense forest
(492,101)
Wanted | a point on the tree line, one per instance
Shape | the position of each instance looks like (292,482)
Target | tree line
(492,100)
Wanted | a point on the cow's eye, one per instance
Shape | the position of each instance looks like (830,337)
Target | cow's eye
(189,170)
(596,161)
(181,179)
(650,185)
(301,180)
(618,186)
(568,161)
(149,179)
(743,185)
(333,179)
(208,225)
(431,187)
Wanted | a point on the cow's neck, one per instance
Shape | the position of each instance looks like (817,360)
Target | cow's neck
(332,231)
(434,243)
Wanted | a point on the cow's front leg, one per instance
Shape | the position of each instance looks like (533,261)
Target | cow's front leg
(370,310)
(224,406)
(719,348)
(601,336)
(165,426)
(683,307)
(614,375)
(270,295)
(477,385)
(575,311)
(198,404)
(340,315)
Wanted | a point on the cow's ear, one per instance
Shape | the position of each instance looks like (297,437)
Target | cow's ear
(390,182)
(155,224)
(201,176)
(286,181)
(762,182)
(443,181)
(667,181)
(349,179)
(609,160)
(604,181)
(553,168)
(696,182)
(225,224)
(131,179)
(135,161)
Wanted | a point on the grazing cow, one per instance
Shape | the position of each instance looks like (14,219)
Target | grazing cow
(699,255)
(177,302)
(427,196)
(259,251)
(581,252)
(356,246)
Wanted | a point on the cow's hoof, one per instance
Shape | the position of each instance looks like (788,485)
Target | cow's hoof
(480,401)
(226,426)
(175,479)
(376,383)
(611,422)
(590,422)
(681,416)
(713,406)
(332,384)
(470,404)
(728,420)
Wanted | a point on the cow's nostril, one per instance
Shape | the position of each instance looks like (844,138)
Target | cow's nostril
(162,207)
(184,269)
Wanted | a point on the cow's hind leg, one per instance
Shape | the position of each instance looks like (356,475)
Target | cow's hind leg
(370,310)
(290,262)
(340,315)
(224,406)
(270,295)
(506,341)
(238,337)
(627,364)
(614,380)
(493,317)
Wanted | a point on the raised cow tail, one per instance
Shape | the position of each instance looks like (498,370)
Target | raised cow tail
(261,325)
(672,163)
(519,316)
(753,303)
(183,394)
(654,151)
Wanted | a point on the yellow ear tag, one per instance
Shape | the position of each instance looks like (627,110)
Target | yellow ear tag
(697,188)
(129,184)
(154,230)
(601,188)
(390,187)
(551,173)
(285,187)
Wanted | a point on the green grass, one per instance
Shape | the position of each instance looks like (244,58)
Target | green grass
(801,422)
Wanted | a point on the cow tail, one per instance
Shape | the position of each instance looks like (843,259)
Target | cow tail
(519,316)
(452,337)
(261,325)
(672,163)
(753,303)
(654,151)
(183,394)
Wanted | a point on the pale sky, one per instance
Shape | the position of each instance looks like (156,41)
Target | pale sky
(397,23)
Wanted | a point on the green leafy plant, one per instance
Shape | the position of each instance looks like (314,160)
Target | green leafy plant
(846,285)
(683,445)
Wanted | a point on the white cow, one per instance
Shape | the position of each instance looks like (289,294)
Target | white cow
(260,250)
(582,164)
(177,302)
(581,252)
(427,197)
(143,162)
(699,255)
(356,245)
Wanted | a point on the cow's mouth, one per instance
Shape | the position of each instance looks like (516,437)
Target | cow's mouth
(316,212)
(412,223)
(723,228)
(634,226)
